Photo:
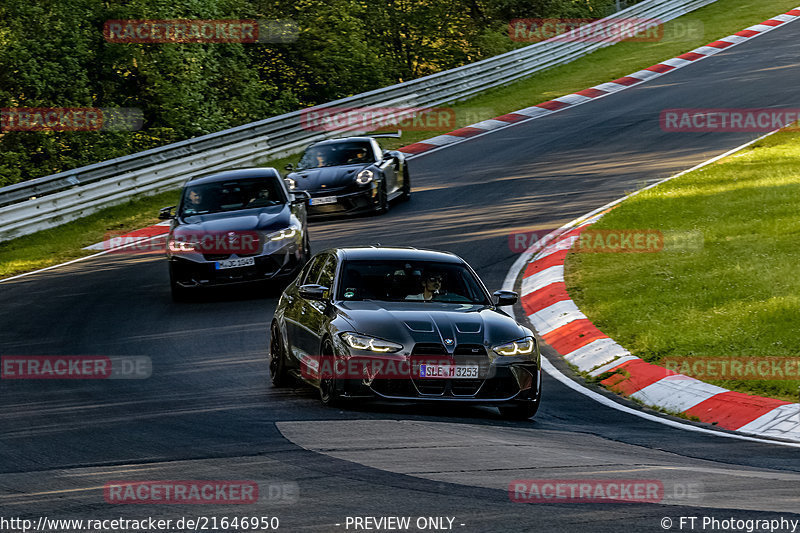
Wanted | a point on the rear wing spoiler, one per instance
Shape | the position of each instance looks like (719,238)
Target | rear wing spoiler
(388,135)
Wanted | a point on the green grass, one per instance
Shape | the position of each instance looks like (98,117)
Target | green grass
(738,295)
(722,18)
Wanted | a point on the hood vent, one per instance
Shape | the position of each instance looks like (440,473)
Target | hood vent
(421,326)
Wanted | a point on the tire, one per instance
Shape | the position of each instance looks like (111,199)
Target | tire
(406,185)
(328,394)
(522,411)
(277,360)
(383,201)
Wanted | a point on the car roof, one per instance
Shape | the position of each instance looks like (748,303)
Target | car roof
(238,173)
(396,253)
(342,140)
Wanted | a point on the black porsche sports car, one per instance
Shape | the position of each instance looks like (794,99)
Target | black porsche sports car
(350,176)
(403,324)
(236,226)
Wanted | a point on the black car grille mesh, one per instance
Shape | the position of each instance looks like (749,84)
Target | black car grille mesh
(428,349)
(216,257)
(470,349)
(465,387)
(463,354)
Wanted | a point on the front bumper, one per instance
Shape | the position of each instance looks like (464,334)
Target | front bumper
(503,384)
(201,272)
(347,202)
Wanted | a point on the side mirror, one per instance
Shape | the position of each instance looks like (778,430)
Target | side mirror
(386,155)
(301,197)
(503,298)
(166,213)
(289,167)
(314,292)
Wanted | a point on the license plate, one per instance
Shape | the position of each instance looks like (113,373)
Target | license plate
(236,263)
(322,200)
(448,371)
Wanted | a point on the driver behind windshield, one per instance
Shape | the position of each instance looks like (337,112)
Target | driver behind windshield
(261,198)
(231,195)
(331,155)
(408,281)
(431,287)
(360,156)
(194,203)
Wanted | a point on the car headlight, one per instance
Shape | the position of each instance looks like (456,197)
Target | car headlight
(289,233)
(178,245)
(519,347)
(364,177)
(291,183)
(371,344)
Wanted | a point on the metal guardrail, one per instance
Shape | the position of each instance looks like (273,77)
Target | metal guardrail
(49,201)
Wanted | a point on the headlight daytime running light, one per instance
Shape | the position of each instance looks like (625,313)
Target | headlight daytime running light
(177,245)
(524,346)
(364,177)
(288,233)
(370,344)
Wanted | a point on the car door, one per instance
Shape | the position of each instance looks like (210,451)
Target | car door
(389,167)
(314,312)
(297,309)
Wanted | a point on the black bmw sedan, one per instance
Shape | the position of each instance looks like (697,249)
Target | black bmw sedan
(236,226)
(403,324)
(350,176)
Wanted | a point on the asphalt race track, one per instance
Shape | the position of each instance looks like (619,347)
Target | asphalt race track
(208,411)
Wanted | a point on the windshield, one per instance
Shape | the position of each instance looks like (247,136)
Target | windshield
(331,155)
(231,195)
(421,281)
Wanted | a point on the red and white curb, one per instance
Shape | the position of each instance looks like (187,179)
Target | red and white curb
(131,238)
(571,334)
(560,323)
(599,91)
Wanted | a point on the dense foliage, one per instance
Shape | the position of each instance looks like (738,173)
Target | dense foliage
(53,54)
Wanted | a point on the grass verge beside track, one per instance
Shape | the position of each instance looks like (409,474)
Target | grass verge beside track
(738,295)
(720,19)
